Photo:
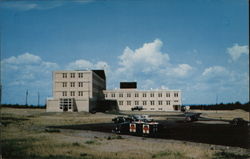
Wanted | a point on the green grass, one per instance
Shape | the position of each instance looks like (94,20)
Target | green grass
(29,134)
(229,155)
(114,137)
(76,144)
(91,142)
(52,130)
(169,154)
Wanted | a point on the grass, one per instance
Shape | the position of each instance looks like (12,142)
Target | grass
(114,137)
(25,134)
(91,142)
(52,130)
(229,155)
(169,154)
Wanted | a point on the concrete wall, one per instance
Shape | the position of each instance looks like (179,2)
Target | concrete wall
(53,106)
(82,105)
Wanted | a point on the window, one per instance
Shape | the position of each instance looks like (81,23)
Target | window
(72,93)
(113,95)
(72,75)
(159,102)
(80,93)
(136,102)
(175,94)
(176,101)
(167,94)
(64,93)
(64,84)
(151,94)
(66,103)
(159,108)
(106,95)
(152,108)
(128,95)
(152,102)
(80,75)
(159,94)
(72,84)
(120,95)
(136,95)
(144,102)
(128,102)
(168,102)
(144,95)
(120,102)
(64,75)
(80,84)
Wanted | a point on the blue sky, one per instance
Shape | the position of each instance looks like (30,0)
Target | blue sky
(199,47)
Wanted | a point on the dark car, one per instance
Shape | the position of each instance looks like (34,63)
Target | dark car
(139,108)
(192,117)
(238,122)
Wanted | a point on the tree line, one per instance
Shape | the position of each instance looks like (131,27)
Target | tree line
(24,106)
(222,106)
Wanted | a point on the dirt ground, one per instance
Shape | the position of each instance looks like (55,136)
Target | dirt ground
(33,133)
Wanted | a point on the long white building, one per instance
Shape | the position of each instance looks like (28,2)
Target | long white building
(150,100)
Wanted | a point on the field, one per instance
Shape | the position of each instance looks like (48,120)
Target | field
(33,133)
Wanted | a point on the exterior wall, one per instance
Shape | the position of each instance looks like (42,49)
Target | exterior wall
(53,106)
(151,100)
(80,86)
(82,105)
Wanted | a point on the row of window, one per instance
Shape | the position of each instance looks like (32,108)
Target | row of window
(72,84)
(113,95)
(72,75)
(72,93)
(146,102)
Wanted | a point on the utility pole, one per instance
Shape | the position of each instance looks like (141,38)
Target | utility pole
(216,102)
(38,98)
(26,100)
(216,99)
(1,68)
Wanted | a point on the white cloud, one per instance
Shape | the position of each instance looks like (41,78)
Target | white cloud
(87,65)
(19,5)
(80,64)
(25,68)
(236,51)
(147,58)
(215,71)
(25,58)
(182,70)
(39,5)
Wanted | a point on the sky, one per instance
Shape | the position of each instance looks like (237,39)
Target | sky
(197,46)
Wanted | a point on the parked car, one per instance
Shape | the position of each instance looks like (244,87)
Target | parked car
(189,117)
(144,118)
(239,122)
(139,108)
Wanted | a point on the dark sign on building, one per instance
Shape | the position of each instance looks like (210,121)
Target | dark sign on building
(128,85)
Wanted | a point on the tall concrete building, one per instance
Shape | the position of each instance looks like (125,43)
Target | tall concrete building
(128,96)
(76,90)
